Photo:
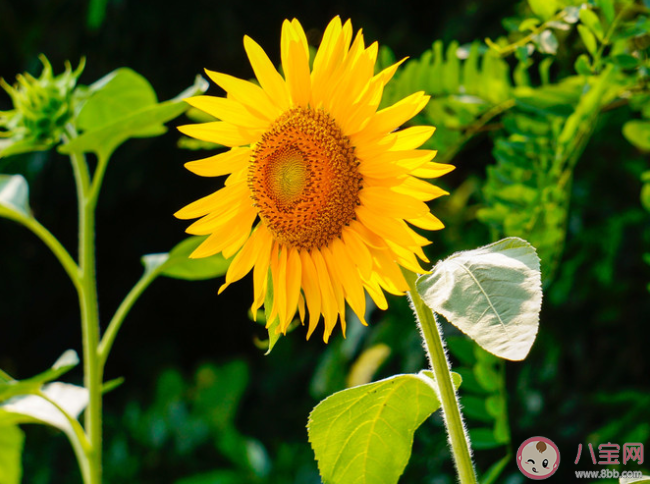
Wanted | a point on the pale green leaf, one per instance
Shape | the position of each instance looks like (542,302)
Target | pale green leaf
(35,409)
(591,20)
(12,440)
(571,14)
(493,294)
(365,433)
(588,39)
(528,24)
(583,66)
(548,42)
(544,8)
(638,133)
(14,195)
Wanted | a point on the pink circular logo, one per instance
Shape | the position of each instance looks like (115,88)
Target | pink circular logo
(538,458)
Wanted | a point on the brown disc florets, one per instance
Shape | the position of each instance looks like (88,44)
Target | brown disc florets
(304,179)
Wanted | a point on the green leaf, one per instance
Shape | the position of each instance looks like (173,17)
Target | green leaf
(544,8)
(14,195)
(178,264)
(626,61)
(493,294)
(583,66)
(12,440)
(528,24)
(365,433)
(63,364)
(114,97)
(588,39)
(144,119)
(591,20)
(35,409)
(607,8)
(638,133)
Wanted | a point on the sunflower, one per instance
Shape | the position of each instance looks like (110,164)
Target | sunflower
(320,184)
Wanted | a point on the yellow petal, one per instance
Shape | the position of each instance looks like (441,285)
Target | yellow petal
(229,111)
(293,277)
(337,288)
(433,170)
(246,93)
(385,227)
(427,222)
(411,138)
(310,288)
(245,259)
(420,189)
(261,270)
(391,118)
(329,305)
(389,203)
(221,133)
(296,66)
(230,161)
(215,202)
(268,77)
(349,278)
(358,251)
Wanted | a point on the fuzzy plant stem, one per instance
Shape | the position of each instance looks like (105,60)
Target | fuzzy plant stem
(433,343)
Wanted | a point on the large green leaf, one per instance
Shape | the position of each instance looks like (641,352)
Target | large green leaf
(12,440)
(493,294)
(143,119)
(13,388)
(631,480)
(14,195)
(114,97)
(365,433)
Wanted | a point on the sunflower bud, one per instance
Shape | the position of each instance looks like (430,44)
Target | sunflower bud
(42,107)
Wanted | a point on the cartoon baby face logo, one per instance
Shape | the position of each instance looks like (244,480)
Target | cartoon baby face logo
(538,458)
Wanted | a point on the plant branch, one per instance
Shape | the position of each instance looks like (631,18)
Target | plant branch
(116,322)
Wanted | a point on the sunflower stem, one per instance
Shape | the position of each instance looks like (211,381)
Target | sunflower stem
(89,315)
(431,333)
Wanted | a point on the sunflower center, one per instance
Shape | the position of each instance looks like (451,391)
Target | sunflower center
(304,179)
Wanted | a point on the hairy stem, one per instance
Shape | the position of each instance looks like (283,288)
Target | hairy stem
(447,394)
